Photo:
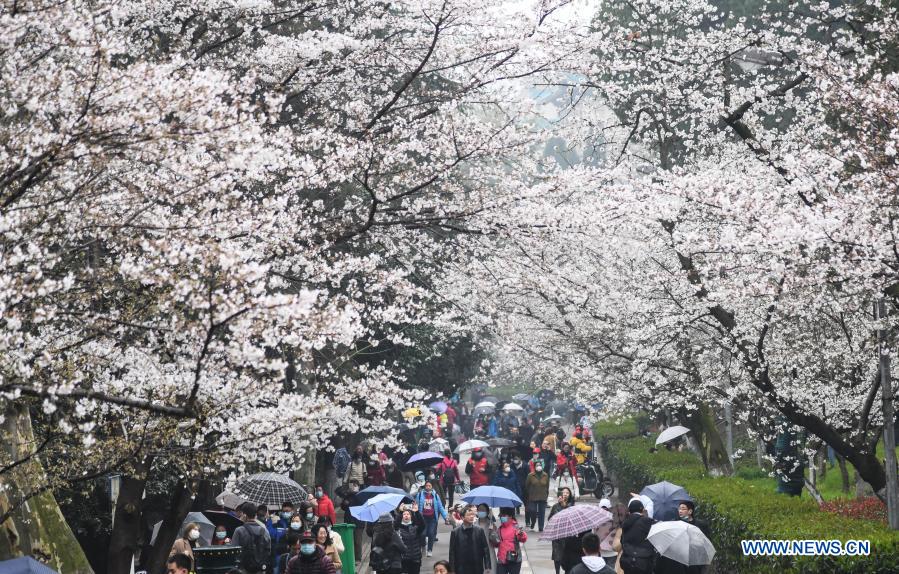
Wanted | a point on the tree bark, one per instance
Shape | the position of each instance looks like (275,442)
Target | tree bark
(124,541)
(37,527)
(170,529)
(844,474)
(713,452)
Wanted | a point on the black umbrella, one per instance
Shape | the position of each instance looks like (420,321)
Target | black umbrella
(372,491)
(226,519)
(500,442)
(423,460)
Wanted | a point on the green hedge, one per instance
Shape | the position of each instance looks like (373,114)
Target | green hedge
(745,509)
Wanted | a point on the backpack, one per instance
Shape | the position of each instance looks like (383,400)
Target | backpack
(379,560)
(637,559)
(449,475)
(254,558)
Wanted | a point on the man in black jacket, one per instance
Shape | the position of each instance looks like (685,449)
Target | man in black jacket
(469,552)
(637,553)
(685,511)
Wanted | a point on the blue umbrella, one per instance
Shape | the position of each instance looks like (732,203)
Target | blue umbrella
(422,460)
(665,498)
(376,506)
(438,406)
(24,565)
(492,496)
(370,492)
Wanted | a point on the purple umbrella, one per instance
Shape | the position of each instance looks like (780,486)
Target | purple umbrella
(438,406)
(423,460)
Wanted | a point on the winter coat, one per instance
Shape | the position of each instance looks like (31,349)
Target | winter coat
(572,551)
(509,481)
(469,551)
(355,471)
(585,568)
(245,536)
(448,467)
(374,474)
(580,448)
(413,537)
(505,538)
(182,546)
(439,510)
(478,472)
(395,549)
(537,487)
(564,461)
(326,508)
(315,563)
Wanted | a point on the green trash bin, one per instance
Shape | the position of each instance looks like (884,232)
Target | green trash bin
(348,556)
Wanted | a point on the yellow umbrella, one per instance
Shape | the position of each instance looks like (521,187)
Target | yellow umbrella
(412,412)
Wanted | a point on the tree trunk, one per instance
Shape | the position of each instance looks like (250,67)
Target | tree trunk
(37,527)
(844,474)
(714,454)
(125,539)
(170,529)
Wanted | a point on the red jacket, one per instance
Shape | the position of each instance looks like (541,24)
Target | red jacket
(506,535)
(375,475)
(448,463)
(563,461)
(478,472)
(326,508)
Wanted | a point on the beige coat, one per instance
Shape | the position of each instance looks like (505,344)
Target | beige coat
(182,546)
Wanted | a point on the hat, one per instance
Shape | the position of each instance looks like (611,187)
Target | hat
(635,505)
(605,503)
(386,517)
(536,451)
(307,535)
(476,449)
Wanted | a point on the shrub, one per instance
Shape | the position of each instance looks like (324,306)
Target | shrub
(743,508)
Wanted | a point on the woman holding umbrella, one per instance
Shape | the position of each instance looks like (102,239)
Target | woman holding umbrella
(566,500)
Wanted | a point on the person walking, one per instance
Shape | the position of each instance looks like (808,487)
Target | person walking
(448,472)
(537,490)
(431,508)
(327,542)
(188,541)
(508,539)
(637,553)
(413,536)
(356,468)
(387,548)
(591,561)
(310,558)
(507,478)
(469,551)
(325,504)
(254,541)
(478,469)
(566,500)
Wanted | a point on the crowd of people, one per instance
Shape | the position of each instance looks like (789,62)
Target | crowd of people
(529,455)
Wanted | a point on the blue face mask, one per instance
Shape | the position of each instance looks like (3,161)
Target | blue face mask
(296,525)
(221,535)
(307,549)
(482,514)
(286,515)
(504,519)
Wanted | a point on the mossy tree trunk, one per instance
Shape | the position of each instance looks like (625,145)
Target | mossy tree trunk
(35,526)
(125,539)
(711,446)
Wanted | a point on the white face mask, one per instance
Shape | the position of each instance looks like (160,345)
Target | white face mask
(194,534)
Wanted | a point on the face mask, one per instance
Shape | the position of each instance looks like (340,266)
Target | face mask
(194,534)
(286,515)
(295,525)
(566,474)
(221,535)
(482,514)
(309,516)
(307,549)
(504,519)
(507,468)
(406,522)
(538,468)
(318,493)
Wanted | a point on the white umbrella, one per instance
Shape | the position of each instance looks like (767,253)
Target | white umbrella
(671,433)
(484,408)
(438,444)
(471,445)
(206,528)
(513,407)
(230,500)
(682,542)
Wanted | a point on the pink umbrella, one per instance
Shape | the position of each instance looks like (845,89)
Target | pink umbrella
(574,520)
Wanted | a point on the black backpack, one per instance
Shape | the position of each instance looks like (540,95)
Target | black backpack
(449,476)
(254,558)
(637,559)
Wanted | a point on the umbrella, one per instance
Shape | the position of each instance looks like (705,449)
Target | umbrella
(522,397)
(438,406)
(500,442)
(229,500)
(270,488)
(229,521)
(671,433)
(492,496)
(490,399)
(24,565)
(558,406)
(665,498)
(411,413)
(372,509)
(370,492)
(682,542)
(438,444)
(471,445)
(422,460)
(552,418)
(574,520)
(206,527)
(484,408)
(513,407)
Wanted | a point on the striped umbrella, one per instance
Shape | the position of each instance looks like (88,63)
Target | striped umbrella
(270,488)
(574,520)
